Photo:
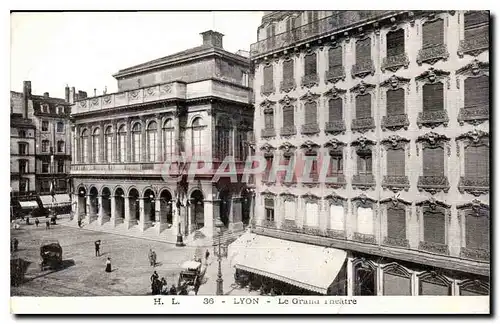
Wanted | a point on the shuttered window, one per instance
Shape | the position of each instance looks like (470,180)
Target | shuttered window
(288,70)
(310,64)
(477,162)
(365,164)
(395,102)
(433,161)
(365,282)
(363,50)
(269,206)
(336,164)
(477,92)
(396,285)
(477,230)
(396,223)
(363,106)
(335,57)
(476,24)
(434,226)
(335,110)
(396,162)
(433,33)
(268,77)
(288,116)
(395,43)
(433,97)
(433,288)
(269,120)
(269,166)
(310,113)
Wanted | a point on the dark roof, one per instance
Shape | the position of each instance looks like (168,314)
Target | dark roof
(49,100)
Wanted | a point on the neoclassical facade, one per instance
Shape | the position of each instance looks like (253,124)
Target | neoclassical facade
(125,169)
(397,104)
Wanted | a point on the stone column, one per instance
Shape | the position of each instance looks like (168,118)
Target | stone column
(101,143)
(157,211)
(144,142)
(127,212)
(236,223)
(73,145)
(159,139)
(114,143)
(379,283)
(252,220)
(129,141)
(350,277)
(177,132)
(190,216)
(113,215)
(74,207)
(175,216)
(89,213)
(142,215)
(100,212)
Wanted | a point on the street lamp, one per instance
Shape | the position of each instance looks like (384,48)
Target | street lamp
(180,241)
(219,280)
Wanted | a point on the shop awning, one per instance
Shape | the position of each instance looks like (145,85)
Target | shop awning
(303,265)
(28,204)
(58,200)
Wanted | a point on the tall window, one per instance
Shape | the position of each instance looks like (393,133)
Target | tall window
(288,75)
(60,127)
(396,223)
(337,217)
(395,102)
(290,209)
(476,25)
(268,78)
(270,32)
(45,167)
(363,50)
(95,145)
(224,138)
(365,220)
(312,214)
(60,146)
(477,92)
(45,126)
(433,33)
(365,162)
(136,142)
(288,118)
(336,164)
(85,146)
(122,143)
(434,225)
(477,162)
(23,185)
(198,137)
(269,207)
(335,58)
(168,139)
(335,110)
(45,146)
(433,286)
(22,133)
(477,229)
(109,144)
(363,106)
(433,161)
(23,148)
(151,133)
(241,141)
(395,43)
(310,67)
(311,113)
(396,282)
(396,162)
(60,166)
(23,166)
(433,97)
(312,20)
(269,119)
(269,166)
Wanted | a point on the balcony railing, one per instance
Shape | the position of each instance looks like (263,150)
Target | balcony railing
(335,74)
(309,129)
(474,45)
(432,247)
(289,225)
(365,238)
(363,181)
(433,184)
(395,122)
(432,54)
(396,183)
(333,233)
(288,130)
(473,185)
(432,118)
(395,62)
(362,69)
(310,80)
(268,223)
(335,127)
(337,22)
(266,91)
(268,132)
(475,254)
(474,115)
(396,241)
(335,181)
(312,230)
(287,85)
(363,124)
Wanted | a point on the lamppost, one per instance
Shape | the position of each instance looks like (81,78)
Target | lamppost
(178,205)
(219,280)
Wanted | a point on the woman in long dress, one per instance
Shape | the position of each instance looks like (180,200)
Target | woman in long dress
(108,265)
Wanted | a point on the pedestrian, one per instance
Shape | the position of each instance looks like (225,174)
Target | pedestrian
(172,291)
(97,245)
(207,254)
(79,223)
(153,258)
(150,257)
(164,286)
(154,277)
(16,244)
(47,224)
(37,222)
(108,265)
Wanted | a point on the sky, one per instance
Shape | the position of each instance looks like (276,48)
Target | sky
(83,50)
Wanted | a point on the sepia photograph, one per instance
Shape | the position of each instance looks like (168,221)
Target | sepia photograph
(278,158)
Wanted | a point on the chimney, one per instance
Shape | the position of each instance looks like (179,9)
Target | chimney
(212,38)
(26,97)
(66,93)
(72,95)
(46,94)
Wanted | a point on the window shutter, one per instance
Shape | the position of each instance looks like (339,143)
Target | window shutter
(396,223)
(310,113)
(433,161)
(268,77)
(476,24)
(433,289)
(363,106)
(395,43)
(269,120)
(434,226)
(335,57)
(477,162)
(335,110)
(361,165)
(477,231)
(396,162)
(269,203)
(369,164)
(433,33)
(395,285)
(395,102)
(433,97)
(363,50)
(477,91)
(288,116)
(288,70)
(310,64)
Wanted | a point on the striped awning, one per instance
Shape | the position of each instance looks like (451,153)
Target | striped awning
(28,204)
(303,265)
(57,200)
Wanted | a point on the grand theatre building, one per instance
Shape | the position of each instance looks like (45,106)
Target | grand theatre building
(195,102)
(398,103)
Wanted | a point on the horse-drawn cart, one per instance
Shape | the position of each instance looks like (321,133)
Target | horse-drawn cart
(50,255)
(191,276)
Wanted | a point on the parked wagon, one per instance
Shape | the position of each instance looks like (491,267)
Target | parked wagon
(51,255)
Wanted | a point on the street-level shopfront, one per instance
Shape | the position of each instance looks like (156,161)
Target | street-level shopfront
(293,268)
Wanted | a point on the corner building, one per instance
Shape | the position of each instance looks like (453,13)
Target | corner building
(398,102)
(195,102)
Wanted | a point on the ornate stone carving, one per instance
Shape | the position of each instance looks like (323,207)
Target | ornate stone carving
(396,183)
(335,127)
(432,54)
(433,139)
(363,142)
(399,242)
(433,75)
(310,129)
(287,148)
(336,182)
(287,131)
(362,88)
(336,234)
(395,142)
(395,122)
(474,137)
(363,181)
(151,91)
(309,147)
(363,69)
(335,74)
(363,125)
(395,62)
(365,238)
(94,102)
(265,133)
(310,96)
(335,92)
(133,94)
(474,45)
(433,247)
(395,82)
(286,100)
(475,254)
(474,68)
(288,225)
(433,184)
(106,100)
(474,186)
(310,80)
(267,104)
(166,88)
(473,116)
(268,150)
(83,103)
(268,224)
(312,230)
(287,85)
